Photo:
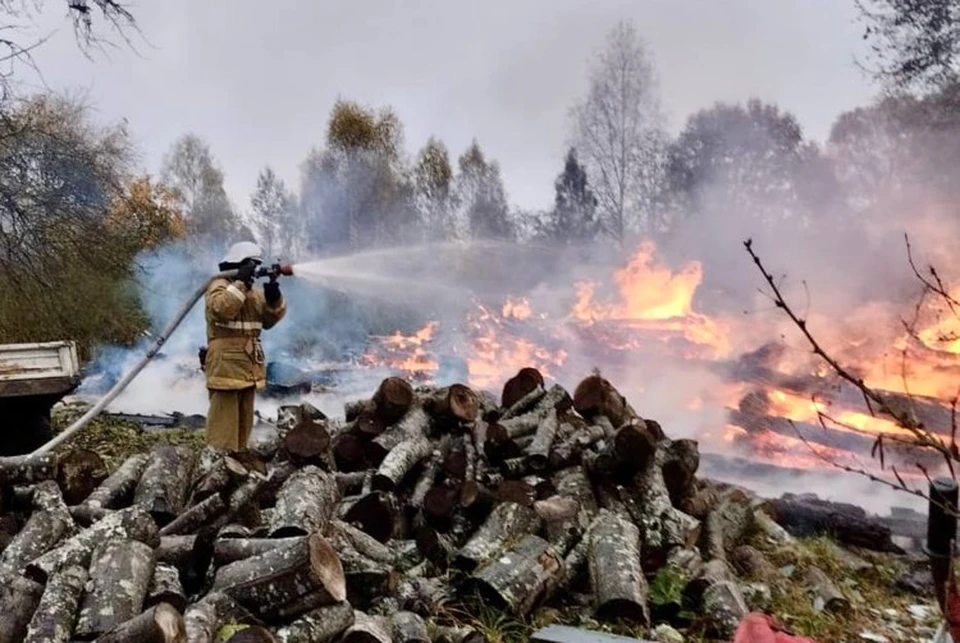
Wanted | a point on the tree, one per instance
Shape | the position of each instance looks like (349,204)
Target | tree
(481,194)
(915,43)
(192,173)
(146,214)
(355,191)
(433,177)
(744,160)
(275,215)
(618,129)
(575,206)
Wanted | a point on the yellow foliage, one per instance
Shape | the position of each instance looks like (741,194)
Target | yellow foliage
(147,213)
(354,127)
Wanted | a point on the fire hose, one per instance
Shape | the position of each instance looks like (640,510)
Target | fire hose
(272,272)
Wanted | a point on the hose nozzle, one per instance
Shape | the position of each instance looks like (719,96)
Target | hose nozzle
(275,270)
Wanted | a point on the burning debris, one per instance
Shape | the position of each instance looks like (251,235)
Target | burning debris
(420,507)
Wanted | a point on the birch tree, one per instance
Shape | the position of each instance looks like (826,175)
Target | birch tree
(618,129)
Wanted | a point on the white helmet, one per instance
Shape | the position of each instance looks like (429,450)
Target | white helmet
(239,252)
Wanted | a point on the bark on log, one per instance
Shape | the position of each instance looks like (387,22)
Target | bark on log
(710,573)
(85,515)
(595,396)
(46,496)
(269,580)
(132,523)
(452,405)
(21,470)
(426,479)
(439,504)
(374,513)
(400,461)
(408,627)
(319,626)
(165,587)
(162,623)
(520,385)
(538,452)
(619,587)
(436,547)
(680,468)
(350,483)
(118,488)
(475,496)
(425,596)
(221,476)
(769,528)
(725,527)
(524,404)
(307,443)
(120,575)
(414,424)
(826,596)
(252,634)
(557,509)
(353,410)
(349,453)
(367,629)
(393,399)
(41,533)
(366,579)
(191,520)
(572,483)
(176,550)
(79,472)
(162,489)
(230,550)
(202,619)
(52,622)
(516,491)
(364,543)
(752,564)
(723,609)
(457,634)
(306,502)
(804,516)
(508,521)
(634,444)
(520,577)
(19,598)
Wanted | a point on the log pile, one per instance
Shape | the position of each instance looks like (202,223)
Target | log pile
(369,527)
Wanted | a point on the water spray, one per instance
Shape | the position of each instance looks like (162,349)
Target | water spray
(272,272)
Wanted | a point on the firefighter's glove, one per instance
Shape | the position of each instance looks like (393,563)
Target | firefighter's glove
(246,273)
(271,291)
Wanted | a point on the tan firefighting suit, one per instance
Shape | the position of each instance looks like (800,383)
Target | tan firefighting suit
(235,364)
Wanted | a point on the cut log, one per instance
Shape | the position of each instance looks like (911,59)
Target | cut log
(403,458)
(41,533)
(132,523)
(572,483)
(202,619)
(367,580)
(272,579)
(53,620)
(319,626)
(457,634)
(46,496)
(439,504)
(22,470)
(353,410)
(557,509)
(363,542)
(680,468)
(79,472)
(426,479)
(414,424)
(162,489)
(118,488)
(307,443)
(120,575)
(19,598)
(723,609)
(710,573)
(161,623)
(595,396)
(350,483)
(349,453)
(634,444)
(165,587)
(770,529)
(475,496)
(176,550)
(524,404)
(752,564)
(85,515)
(374,513)
(251,634)
(455,459)
(453,405)
(516,491)
(619,587)
(230,550)
(507,522)
(518,578)
(367,629)
(191,520)
(425,596)
(306,502)
(408,627)
(436,547)
(725,526)
(393,399)
(222,475)
(526,381)
(538,452)
(826,596)
(804,516)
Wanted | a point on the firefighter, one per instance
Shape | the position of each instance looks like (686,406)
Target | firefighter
(234,363)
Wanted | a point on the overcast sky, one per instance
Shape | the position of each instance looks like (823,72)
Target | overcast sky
(257,79)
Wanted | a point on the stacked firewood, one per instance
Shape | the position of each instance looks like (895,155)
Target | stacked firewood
(371,527)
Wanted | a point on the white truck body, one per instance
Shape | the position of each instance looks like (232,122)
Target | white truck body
(47,368)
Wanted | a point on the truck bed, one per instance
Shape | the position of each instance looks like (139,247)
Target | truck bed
(49,368)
